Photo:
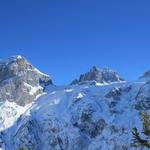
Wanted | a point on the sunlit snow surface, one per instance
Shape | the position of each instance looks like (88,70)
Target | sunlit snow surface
(10,111)
(65,104)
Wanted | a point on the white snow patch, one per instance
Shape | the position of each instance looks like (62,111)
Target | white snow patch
(69,90)
(19,57)
(38,71)
(53,92)
(9,113)
(80,95)
(106,83)
(33,89)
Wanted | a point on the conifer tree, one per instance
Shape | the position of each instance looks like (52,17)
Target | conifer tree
(142,139)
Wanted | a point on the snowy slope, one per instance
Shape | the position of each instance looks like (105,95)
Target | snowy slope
(79,117)
(20,85)
(96,112)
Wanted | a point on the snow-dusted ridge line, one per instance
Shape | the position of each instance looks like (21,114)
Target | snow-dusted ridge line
(96,113)
(101,76)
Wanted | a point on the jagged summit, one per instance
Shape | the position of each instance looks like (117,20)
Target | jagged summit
(105,75)
(94,69)
(18,65)
(20,81)
(81,117)
(84,116)
(12,59)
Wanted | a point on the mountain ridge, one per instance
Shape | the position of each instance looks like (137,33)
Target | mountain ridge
(101,76)
(97,112)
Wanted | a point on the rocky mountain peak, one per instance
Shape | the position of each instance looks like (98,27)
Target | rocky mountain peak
(145,76)
(20,81)
(68,117)
(94,69)
(13,66)
(105,75)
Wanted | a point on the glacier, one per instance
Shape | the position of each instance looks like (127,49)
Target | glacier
(95,112)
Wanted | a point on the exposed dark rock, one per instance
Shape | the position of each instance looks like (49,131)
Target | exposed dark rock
(114,93)
(27,137)
(145,76)
(100,76)
(20,81)
(87,124)
(143,97)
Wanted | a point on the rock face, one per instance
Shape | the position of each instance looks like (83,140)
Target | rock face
(20,82)
(100,76)
(28,136)
(80,116)
(143,97)
(145,76)
(85,117)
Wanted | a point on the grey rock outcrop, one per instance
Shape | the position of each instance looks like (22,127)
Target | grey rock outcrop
(91,118)
(28,137)
(100,76)
(81,117)
(145,76)
(20,82)
(143,97)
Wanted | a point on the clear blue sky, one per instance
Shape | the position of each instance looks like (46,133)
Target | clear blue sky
(64,38)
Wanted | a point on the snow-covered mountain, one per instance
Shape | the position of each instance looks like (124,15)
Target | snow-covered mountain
(20,82)
(20,85)
(97,112)
(104,76)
